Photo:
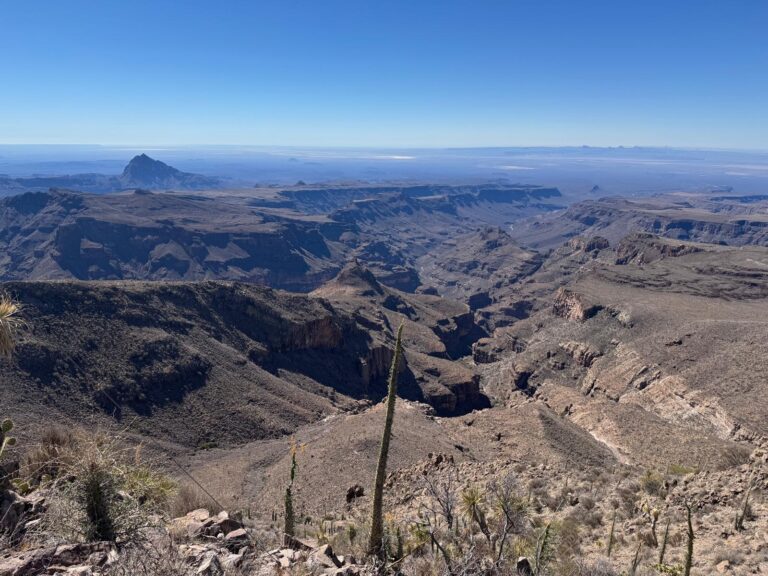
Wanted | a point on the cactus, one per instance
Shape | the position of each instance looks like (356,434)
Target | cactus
(6,440)
(376,541)
(689,546)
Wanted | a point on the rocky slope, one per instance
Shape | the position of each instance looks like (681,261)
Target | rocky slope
(655,352)
(217,362)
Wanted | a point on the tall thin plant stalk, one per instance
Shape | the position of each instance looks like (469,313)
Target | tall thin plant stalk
(376,542)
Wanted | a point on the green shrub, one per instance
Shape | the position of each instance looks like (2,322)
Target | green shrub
(652,483)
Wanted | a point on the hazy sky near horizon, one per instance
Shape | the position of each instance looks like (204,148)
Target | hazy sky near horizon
(399,73)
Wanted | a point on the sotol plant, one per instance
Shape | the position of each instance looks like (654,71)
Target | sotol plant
(10,322)
(376,542)
(6,440)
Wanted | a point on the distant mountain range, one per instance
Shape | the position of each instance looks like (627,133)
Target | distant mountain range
(141,172)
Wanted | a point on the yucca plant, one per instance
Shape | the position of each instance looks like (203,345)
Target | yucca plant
(376,540)
(472,500)
(6,440)
(10,322)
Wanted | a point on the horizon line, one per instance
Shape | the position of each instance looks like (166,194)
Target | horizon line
(390,147)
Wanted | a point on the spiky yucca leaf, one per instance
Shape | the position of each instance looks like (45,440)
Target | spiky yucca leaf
(10,322)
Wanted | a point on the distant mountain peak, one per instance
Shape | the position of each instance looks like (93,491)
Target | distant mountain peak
(144,168)
(146,172)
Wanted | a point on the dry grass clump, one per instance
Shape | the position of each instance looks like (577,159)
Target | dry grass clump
(54,452)
(188,498)
(102,490)
(161,557)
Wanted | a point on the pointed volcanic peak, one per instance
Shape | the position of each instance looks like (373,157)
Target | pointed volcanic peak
(145,172)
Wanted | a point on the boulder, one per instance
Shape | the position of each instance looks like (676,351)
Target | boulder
(354,492)
(199,515)
(323,557)
(236,539)
(63,557)
(211,566)
(524,567)
(232,561)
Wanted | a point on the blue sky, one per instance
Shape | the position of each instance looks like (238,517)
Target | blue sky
(385,73)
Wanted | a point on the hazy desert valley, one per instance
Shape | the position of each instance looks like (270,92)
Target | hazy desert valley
(196,374)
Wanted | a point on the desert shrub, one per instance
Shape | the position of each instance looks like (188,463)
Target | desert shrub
(652,483)
(106,492)
(582,567)
(587,502)
(627,495)
(680,470)
(568,537)
(647,538)
(733,556)
(157,559)
(593,519)
(50,456)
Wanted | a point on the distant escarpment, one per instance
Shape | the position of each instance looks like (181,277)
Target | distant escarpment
(455,244)
(735,221)
(326,199)
(146,236)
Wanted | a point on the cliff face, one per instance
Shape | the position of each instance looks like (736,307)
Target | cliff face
(657,339)
(144,236)
(733,221)
(436,332)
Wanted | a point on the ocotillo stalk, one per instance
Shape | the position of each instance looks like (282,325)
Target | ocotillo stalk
(376,541)
(742,515)
(663,550)
(611,535)
(289,531)
(689,547)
